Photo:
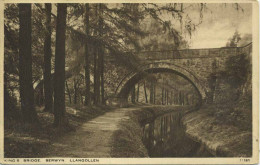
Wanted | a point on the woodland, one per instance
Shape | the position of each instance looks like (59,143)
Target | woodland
(55,60)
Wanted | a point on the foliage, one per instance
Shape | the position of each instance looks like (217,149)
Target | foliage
(228,125)
(234,40)
(122,28)
(245,39)
(236,113)
(11,43)
(238,40)
(238,68)
(11,24)
(10,109)
(160,38)
(236,73)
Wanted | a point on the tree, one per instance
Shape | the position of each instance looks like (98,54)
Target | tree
(152,92)
(245,39)
(96,63)
(171,101)
(120,26)
(77,81)
(11,60)
(25,64)
(101,55)
(59,75)
(75,90)
(145,93)
(96,76)
(137,93)
(87,52)
(162,95)
(47,60)
(234,40)
(103,101)
(238,70)
(68,91)
(167,97)
(10,109)
(133,95)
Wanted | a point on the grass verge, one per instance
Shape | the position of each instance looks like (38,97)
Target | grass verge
(226,129)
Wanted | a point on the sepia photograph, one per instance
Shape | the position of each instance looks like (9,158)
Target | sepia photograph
(84,82)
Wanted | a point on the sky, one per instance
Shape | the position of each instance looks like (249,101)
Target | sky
(219,24)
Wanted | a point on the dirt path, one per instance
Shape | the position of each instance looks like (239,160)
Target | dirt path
(92,139)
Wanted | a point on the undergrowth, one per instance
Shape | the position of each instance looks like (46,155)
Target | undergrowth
(237,113)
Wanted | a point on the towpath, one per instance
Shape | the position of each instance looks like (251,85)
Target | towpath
(93,138)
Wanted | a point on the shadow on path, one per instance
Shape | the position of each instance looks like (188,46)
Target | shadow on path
(92,139)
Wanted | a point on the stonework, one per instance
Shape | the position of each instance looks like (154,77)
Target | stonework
(196,65)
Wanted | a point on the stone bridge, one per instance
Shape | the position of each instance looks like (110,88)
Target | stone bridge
(195,65)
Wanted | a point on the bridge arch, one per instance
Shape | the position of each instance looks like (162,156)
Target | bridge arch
(133,77)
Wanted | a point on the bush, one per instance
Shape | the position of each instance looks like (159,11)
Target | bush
(238,68)
(10,108)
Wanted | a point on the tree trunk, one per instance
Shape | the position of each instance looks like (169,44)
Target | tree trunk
(187,99)
(96,69)
(25,64)
(151,135)
(179,98)
(41,101)
(154,93)
(176,98)
(171,100)
(96,76)
(87,52)
(137,93)
(162,94)
(101,56)
(81,98)
(59,75)
(102,77)
(182,100)
(167,97)
(68,90)
(133,95)
(146,100)
(151,92)
(161,127)
(47,61)
(75,91)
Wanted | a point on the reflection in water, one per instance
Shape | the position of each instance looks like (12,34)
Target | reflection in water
(165,137)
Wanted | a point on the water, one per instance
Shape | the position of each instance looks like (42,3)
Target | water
(165,137)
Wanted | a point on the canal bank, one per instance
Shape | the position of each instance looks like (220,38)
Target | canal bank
(129,140)
(177,132)
(220,133)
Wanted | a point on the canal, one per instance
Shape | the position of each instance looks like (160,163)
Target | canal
(165,137)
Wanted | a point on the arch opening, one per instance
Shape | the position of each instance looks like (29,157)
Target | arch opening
(131,79)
